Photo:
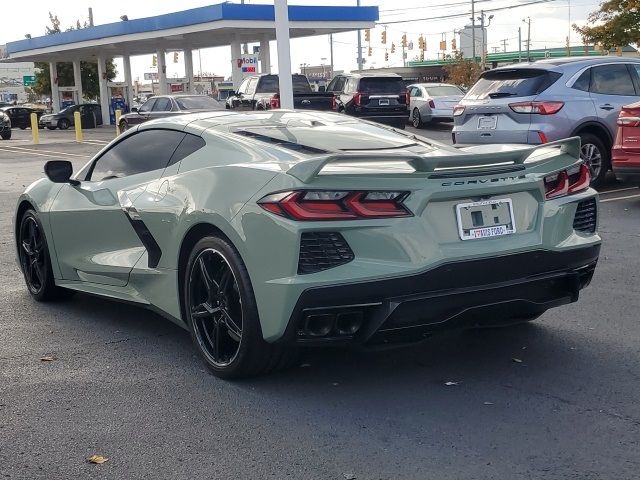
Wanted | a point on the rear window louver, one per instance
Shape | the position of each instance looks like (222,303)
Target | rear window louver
(280,142)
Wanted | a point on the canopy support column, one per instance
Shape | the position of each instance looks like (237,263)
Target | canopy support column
(162,72)
(236,71)
(126,66)
(284,54)
(104,90)
(55,93)
(188,69)
(265,56)
(77,79)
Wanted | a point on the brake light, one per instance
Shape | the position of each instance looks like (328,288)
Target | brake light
(542,137)
(275,101)
(313,205)
(628,119)
(458,110)
(567,182)
(432,104)
(357,98)
(334,104)
(407,99)
(540,108)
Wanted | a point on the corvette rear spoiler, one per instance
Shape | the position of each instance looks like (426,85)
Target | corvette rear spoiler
(306,170)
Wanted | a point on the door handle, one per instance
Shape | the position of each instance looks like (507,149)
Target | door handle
(607,106)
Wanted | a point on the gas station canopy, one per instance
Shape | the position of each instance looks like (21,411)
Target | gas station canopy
(204,27)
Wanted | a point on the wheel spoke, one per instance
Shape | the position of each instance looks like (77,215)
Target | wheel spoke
(231,325)
(211,341)
(27,248)
(203,310)
(224,281)
(209,282)
(37,270)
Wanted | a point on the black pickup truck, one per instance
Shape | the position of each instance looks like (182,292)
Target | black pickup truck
(261,92)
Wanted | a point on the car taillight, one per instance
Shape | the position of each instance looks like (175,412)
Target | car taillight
(406,97)
(567,182)
(628,119)
(357,98)
(541,108)
(458,110)
(314,205)
(542,137)
(432,104)
(334,104)
(275,101)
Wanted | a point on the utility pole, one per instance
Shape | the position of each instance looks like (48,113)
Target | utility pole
(359,44)
(519,44)
(331,51)
(90,17)
(482,33)
(473,29)
(528,22)
(504,44)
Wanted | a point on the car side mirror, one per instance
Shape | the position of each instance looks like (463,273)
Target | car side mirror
(60,171)
(134,109)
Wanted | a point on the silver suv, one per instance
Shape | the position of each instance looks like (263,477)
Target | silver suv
(548,100)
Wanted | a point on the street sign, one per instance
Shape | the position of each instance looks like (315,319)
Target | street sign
(28,80)
(248,64)
(151,75)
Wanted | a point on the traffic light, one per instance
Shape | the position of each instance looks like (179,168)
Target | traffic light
(422,55)
(453,44)
(175,57)
(404,40)
(393,47)
(443,45)
(370,52)
(154,61)
(421,43)
(367,35)
(386,56)
(410,45)
(384,36)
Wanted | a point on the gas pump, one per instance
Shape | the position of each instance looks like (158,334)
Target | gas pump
(119,99)
(68,96)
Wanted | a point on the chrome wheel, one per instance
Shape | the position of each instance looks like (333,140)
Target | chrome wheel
(592,157)
(32,258)
(416,121)
(215,307)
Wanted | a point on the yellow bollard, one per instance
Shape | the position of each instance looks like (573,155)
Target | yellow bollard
(35,129)
(78,122)
(118,115)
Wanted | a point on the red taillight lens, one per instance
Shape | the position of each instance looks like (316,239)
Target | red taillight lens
(458,110)
(629,119)
(313,205)
(334,104)
(567,182)
(407,99)
(432,104)
(357,98)
(275,101)
(540,108)
(542,137)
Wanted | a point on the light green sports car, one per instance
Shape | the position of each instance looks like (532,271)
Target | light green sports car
(264,232)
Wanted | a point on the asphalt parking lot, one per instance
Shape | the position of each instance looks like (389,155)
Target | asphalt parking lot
(555,399)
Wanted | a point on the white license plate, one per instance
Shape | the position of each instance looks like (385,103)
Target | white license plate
(487,123)
(486,219)
(383,101)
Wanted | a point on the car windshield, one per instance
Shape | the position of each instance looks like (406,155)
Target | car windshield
(70,109)
(444,91)
(198,102)
(270,83)
(518,82)
(381,85)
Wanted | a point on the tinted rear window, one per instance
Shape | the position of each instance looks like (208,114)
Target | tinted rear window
(512,83)
(271,84)
(381,85)
(200,102)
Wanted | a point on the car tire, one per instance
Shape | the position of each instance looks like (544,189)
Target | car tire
(401,125)
(35,262)
(52,128)
(124,126)
(23,127)
(416,119)
(222,315)
(6,135)
(596,156)
(63,124)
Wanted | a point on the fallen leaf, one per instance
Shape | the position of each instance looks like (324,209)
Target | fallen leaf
(97,459)
(47,359)
(451,384)
(349,476)
(517,360)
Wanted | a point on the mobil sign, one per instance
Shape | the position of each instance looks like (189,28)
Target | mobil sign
(248,64)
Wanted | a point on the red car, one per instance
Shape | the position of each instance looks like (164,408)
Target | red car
(625,155)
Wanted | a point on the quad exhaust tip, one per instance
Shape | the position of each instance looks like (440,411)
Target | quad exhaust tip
(341,324)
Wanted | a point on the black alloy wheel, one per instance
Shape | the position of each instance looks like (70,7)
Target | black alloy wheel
(63,124)
(124,126)
(215,307)
(416,119)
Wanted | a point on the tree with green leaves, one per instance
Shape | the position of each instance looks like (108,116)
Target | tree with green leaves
(620,24)
(88,70)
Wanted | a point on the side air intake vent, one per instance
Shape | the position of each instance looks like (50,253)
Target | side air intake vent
(586,216)
(322,250)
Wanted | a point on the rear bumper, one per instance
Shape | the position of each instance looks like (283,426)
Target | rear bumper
(625,165)
(488,291)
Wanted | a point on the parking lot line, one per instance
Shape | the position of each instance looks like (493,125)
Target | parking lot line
(618,190)
(620,198)
(32,150)
(4,149)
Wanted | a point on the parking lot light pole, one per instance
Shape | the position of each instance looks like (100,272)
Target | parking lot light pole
(284,53)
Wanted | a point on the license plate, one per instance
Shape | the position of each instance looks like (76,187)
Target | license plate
(487,123)
(486,219)
(383,101)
